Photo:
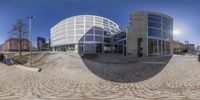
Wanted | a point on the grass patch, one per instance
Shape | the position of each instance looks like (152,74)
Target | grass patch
(22,59)
(40,60)
(26,58)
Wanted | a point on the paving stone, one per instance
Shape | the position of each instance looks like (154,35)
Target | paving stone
(69,78)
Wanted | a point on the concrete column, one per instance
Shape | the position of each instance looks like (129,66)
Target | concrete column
(76,48)
(53,49)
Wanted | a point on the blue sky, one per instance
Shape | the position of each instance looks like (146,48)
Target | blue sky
(49,12)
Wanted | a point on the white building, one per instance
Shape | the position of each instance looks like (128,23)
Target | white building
(83,34)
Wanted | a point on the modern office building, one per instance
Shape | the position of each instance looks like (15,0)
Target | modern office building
(41,44)
(149,34)
(118,42)
(83,34)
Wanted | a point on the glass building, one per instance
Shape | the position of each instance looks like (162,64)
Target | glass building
(83,34)
(149,34)
(160,28)
(119,42)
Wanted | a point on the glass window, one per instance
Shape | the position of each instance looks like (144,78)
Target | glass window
(107,40)
(106,28)
(107,48)
(154,32)
(152,46)
(122,35)
(153,15)
(166,35)
(114,40)
(113,31)
(166,21)
(89,38)
(98,28)
(98,32)
(155,18)
(124,42)
(105,21)
(120,48)
(163,47)
(79,38)
(166,28)
(89,47)
(155,25)
(98,48)
(98,38)
(106,33)
(98,23)
(167,47)
(159,47)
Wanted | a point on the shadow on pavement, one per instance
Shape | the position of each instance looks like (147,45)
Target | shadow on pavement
(127,72)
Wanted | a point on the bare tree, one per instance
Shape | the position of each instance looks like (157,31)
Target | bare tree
(19,31)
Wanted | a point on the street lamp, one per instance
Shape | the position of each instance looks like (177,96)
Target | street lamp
(30,32)
(40,46)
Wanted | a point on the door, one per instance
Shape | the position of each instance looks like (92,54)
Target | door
(140,47)
(80,49)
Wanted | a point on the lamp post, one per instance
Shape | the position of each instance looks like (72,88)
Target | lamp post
(30,32)
(40,46)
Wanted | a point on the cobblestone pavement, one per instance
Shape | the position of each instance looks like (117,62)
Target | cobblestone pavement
(64,79)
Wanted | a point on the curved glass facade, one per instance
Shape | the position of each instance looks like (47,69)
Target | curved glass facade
(87,30)
(160,29)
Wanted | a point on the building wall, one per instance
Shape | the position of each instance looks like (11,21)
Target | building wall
(190,48)
(138,29)
(1,47)
(14,45)
(178,47)
(198,49)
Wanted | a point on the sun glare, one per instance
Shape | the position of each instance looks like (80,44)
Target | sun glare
(176,32)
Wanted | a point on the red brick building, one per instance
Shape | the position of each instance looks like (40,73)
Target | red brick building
(13,45)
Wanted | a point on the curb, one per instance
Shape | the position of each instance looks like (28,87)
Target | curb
(28,68)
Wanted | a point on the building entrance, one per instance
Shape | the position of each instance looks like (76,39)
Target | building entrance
(80,49)
(140,47)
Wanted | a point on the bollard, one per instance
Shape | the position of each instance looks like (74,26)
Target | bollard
(199,57)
